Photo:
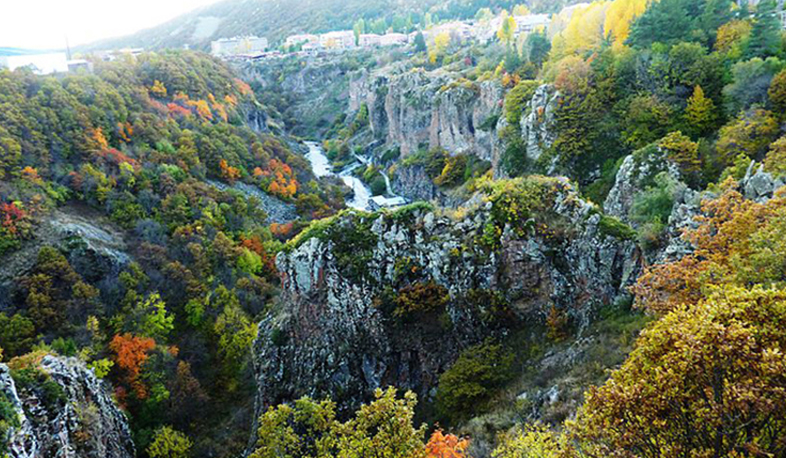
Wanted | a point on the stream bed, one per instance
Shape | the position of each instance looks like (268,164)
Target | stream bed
(321,166)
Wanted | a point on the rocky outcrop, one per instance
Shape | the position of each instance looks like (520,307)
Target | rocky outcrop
(94,247)
(340,332)
(414,184)
(637,172)
(370,91)
(538,124)
(759,185)
(63,410)
(419,109)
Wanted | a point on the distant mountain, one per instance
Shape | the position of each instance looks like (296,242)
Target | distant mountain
(275,19)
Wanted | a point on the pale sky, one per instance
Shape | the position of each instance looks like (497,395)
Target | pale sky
(42,24)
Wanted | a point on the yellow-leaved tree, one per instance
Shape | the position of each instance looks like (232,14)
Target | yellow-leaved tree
(619,18)
(584,32)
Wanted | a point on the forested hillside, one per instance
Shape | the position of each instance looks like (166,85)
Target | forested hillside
(574,248)
(128,248)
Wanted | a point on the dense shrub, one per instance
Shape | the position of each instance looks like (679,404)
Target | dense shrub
(420,298)
(468,385)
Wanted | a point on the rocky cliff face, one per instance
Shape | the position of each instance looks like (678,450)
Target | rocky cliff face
(316,91)
(63,410)
(418,109)
(538,124)
(343,325)
(637,173)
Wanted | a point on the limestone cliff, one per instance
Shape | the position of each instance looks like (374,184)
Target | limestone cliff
(419,109)
(62,410)
(345,325)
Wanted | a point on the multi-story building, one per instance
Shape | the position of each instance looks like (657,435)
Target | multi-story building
(531,22)
(369,40)
(238,46)
(393,39)
(340,39)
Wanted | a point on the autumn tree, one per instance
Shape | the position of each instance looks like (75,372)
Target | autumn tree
(682,151)
(619,17)
(382,428)
(736,242)
(442,445)
(169,443)
(750,134)
(130,353)
(701,113)
(439,47)
(507,29)
(705,380)
(732,37)
(777,92)
(775,161)
(158,89)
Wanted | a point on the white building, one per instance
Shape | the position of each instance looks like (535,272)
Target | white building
(369,40)
(238,46)
(312,46)
(297,40)
(393,39)
(40,64)
(459,32)
(531,22)
(340,39)
(377,203)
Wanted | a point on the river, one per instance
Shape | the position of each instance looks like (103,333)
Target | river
(321,167)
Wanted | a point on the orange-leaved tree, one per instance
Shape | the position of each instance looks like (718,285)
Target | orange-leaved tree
(130,353)
(442,445)
(736,241)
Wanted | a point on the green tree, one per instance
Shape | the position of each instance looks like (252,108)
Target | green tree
(751,83)
(169,443)
(777,93)
(383,428)
(420,42)
(235,332)
(305,429)
(765,38)
(359,29)
(17,334)
(150,318)
(537,48)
